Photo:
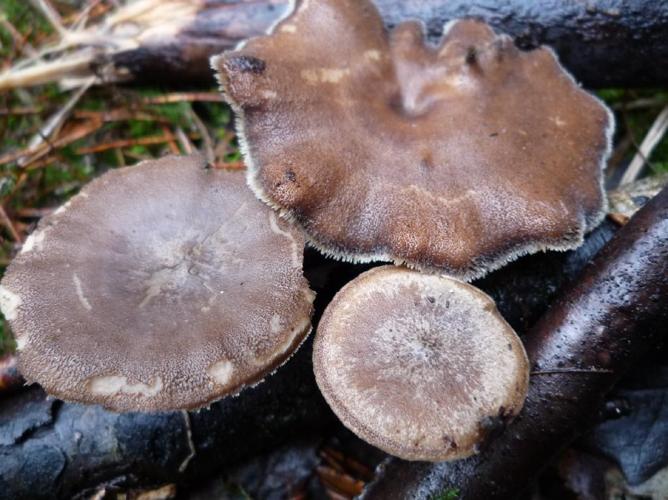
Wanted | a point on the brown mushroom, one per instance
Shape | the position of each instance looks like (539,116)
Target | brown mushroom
(457,157)
(419,365)
(161,286)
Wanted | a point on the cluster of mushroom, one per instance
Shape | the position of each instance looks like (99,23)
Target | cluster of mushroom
(170,285)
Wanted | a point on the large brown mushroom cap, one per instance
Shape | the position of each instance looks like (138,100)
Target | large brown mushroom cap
(161,286)
(457,157)
(421,366)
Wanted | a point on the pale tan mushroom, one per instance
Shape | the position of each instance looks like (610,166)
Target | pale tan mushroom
(161,286)
(457,157)
(421,366)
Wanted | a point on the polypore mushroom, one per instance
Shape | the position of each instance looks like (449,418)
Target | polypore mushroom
(161,286)
(457,157)
(421,366)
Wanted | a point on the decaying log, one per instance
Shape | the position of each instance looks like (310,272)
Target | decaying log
(589,337)
(602,42)
(51,449)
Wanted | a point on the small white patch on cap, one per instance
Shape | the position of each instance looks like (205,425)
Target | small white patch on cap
(268,94)
(296,248)
(82,298)
(34,242)
(558,121)
(372,55)
(9,303)
(221,371)
(310,75)
(289,28)
(62,208)
(21,341)
(333,75)
(111,385)
(287,343)
(275,323)
(324,75)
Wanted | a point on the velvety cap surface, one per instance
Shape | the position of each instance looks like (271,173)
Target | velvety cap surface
(421,366)
(457,157)
(160,286)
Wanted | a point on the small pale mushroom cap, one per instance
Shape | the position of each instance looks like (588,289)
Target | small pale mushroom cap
(454,158)
(162,286)
(421,366)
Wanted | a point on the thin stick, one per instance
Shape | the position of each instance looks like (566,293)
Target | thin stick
(206,138)
(655,134)
(45,72)
(20,41)
(183,97)
(55,121)
(51,14)
(186,144)
(171,142)
(7,222)
(124,143)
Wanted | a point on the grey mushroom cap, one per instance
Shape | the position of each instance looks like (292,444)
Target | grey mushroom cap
(161,286)
(421,366)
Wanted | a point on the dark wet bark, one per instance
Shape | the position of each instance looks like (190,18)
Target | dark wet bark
(602,42)
(51,449)
(595,331)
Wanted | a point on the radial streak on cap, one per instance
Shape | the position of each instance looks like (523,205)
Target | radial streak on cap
(457,157)
(421,366)
(161,286)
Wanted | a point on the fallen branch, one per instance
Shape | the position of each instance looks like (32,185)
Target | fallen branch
(604,43)
(51,449)
(602,325)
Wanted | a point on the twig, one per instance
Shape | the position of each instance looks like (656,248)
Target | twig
(55,122)
(34,213)
(170,141)
(44,72)
(124,143)
(184,97)
(206,138)
(655,134)
(121,114)
(189,439)
(73,134)
(45,7)
(26,110)
(649,102)
(7,222)
(186,144)
(20,42)
(82,17)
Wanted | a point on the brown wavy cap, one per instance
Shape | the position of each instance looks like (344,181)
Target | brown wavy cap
(161,286)
(457,157)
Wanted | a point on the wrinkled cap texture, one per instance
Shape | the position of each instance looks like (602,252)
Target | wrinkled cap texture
(419,365)
(161,286)
(452,158)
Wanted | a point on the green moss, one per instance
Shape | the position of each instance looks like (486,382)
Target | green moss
(449,494)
